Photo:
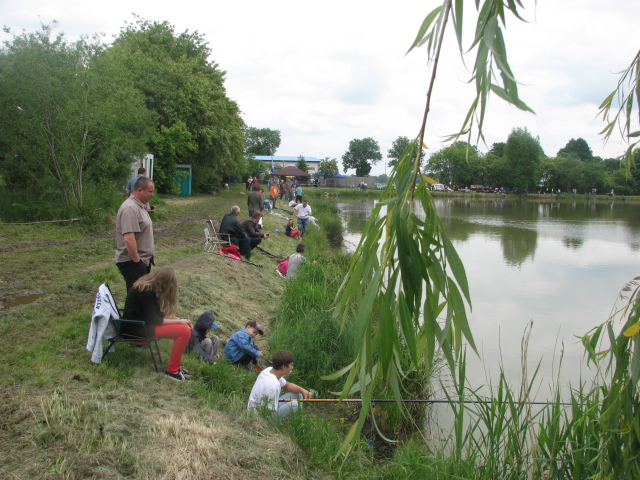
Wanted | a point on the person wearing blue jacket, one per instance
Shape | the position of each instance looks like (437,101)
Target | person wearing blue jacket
(241,349)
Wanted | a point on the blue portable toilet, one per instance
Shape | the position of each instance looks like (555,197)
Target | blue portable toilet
(183,180)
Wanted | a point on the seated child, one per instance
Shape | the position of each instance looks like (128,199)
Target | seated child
(206,347)
(292,230)
(283,266)
(241,349)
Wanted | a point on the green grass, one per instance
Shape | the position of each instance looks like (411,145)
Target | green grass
(63,417)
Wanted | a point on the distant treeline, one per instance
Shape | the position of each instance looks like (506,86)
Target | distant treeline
(520,165)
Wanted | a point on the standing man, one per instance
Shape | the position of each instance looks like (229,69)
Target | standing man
(231,225)
(303,212)
(274,191)
(141,173)
(265,393)
(134,233)
(298,193)
(254,201)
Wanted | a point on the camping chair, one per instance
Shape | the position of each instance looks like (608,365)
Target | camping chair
(145,341)
(208,244)
(216,239)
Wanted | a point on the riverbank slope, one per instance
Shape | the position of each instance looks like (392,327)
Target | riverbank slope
(62,417)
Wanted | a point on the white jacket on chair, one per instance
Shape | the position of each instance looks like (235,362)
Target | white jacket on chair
(101,328)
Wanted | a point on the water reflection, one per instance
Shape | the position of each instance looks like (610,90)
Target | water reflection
(561,265)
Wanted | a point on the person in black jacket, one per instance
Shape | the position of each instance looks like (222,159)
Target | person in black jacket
(206,347)
(154,300)
(231,225)
(252,228)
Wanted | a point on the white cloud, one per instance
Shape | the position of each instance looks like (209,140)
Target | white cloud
(326,74)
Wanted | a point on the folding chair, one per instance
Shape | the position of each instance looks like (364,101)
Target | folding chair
(208,244)
(145,341)
(216,239)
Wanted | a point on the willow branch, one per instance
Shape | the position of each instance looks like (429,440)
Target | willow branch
(436,59)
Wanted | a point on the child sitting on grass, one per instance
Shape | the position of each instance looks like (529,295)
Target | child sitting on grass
(283,266)
(206,347)
(292,230)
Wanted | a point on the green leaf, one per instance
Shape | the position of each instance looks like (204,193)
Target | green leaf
(426,24)
(457,268)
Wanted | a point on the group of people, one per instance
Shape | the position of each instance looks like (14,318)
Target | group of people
(246,235)
(285,189)
(265,396)
(152,296)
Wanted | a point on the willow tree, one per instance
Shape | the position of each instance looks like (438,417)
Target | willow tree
(410,299)
(406,286)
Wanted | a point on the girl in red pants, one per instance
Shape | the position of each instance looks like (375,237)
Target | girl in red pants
(292,231)
(154,299)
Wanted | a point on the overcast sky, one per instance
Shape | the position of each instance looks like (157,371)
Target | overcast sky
(326,73)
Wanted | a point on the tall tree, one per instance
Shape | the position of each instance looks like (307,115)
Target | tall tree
(362,154)
(262,141)
(65,115)
(524,155)
(255,168)
(497,149)
(328,167)
(397,147)
(302,163)
(579,147)
(456,165)
(196,122)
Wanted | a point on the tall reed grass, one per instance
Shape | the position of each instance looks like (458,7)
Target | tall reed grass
(589,433)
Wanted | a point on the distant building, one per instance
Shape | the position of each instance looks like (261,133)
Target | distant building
(285,161)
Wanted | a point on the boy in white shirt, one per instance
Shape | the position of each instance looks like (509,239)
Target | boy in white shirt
(265,393)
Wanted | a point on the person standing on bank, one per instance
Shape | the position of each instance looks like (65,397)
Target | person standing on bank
(134,233)
(154,300)
(274,191)
(254,201)
(303,212)
(141,173)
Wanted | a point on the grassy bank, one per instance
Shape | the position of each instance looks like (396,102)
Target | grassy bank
(63,417)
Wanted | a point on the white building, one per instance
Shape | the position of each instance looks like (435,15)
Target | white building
(277,161)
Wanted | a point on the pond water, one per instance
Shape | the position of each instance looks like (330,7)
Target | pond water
(560,265)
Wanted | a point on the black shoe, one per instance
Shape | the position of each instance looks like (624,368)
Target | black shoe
(175,376)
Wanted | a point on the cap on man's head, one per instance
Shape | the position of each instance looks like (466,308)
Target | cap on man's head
(255,325)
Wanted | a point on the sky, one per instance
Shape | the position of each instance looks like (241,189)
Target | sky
(324,74)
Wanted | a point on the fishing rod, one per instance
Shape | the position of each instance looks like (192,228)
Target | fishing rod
(406,400)
(277,257)
(233,258)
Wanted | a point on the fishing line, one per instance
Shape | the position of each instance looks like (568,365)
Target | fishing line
(403,400)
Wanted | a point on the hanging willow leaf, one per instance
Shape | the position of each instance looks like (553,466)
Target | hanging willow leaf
(627,92)
(405,273)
